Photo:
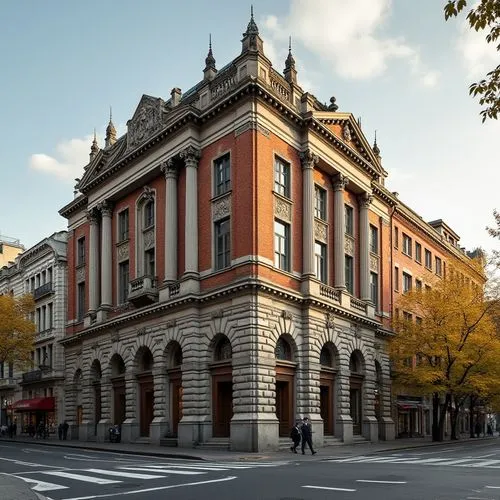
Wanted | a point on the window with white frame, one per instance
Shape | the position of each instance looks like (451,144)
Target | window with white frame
(222,238)
(319,203)
(373,239)
(222,175)
(407,245)
(320,261)
(349,220)
(407,282)
(282,245)
(282,177)
(123,228)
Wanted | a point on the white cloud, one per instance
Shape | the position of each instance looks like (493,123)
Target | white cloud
(479,56)
(347,36)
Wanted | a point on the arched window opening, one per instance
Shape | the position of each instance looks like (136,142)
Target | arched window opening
(223,350)
(283,351)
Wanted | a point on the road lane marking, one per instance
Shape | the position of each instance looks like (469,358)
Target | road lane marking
(379,482)
(158,488)
(329,488)
(42,485)
(164,471)
(485,463)
(493,487)
(122,473)
(188,467)
(28,464)
(80,477)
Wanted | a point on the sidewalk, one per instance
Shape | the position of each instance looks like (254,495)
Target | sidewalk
(361,448)
(16,489)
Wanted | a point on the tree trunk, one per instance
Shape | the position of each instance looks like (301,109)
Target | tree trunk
(472,403)
(435,417)
(454,413)
(442,416)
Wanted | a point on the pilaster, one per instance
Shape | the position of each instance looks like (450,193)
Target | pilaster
(106,258)
(160,424)
(339,184)
(171,242)
(364,246)
(130,426)
(92,217)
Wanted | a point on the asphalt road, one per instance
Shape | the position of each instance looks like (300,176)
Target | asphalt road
(468,471)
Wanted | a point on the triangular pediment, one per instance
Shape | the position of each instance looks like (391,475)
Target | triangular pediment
(148,118)
(345,128)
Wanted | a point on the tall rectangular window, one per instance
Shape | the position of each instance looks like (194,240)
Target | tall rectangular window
(123,280)
(80,298)
(418,252)
(396,278)
(428,259)
(149,262)
(319,203)
(407,245)
(282,177)
(396,237)
(439,267)
(222,175)
(349,220)
(349,274)
(50,315)
(418,284)
(374,289)
(149,214)
(223,243)
(80,252)
(123,225)
(320,261)
(407,282)
(282,245)
(373,239)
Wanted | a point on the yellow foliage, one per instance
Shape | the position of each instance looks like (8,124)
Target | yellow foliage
(447,340)
(17,332)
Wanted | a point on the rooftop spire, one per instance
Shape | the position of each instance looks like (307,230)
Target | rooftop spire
(290,71)
(375,147)
(252,28)
(251,40)
(210,69)
(110,130)
(94,149)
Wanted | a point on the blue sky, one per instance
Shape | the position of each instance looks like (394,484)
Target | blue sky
(396,64)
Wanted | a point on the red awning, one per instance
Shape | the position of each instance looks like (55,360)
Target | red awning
(34,404)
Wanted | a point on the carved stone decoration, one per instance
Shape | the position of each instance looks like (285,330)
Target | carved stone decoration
(377,346)
(365,200)
(346,132)
(169,169)
(191,156)
(115,337)
(286,314)
(80,274)
(308,159)
(330,320)
(340,182)
(221,208)
(349,246)
(78,352)
(146,121)
(106,208)
(282,209)
(141,331)
(149,239)
(374,263)
(355,330)
(320,231)
(94,346)
(170,323)
(122,252)
(92,216)
(218,313)
(148,194)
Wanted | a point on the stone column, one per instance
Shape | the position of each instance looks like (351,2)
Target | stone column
(343,424)
(339,184)
(308,160)
(106,255)
(104,424)
(130,426)
(191,155)
(171,241)
(364,246)
(93,261)
(160,424)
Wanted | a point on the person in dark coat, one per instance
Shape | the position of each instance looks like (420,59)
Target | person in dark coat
(65,430)
(306,430)
(60,431)
(295,435)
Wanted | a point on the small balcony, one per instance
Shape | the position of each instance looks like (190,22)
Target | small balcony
(42,290)
(7,383)
(143,291)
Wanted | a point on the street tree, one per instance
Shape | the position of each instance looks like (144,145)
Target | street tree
(483,16)
(447,344)
(17,331)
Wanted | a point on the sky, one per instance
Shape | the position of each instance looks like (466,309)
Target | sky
(395,64)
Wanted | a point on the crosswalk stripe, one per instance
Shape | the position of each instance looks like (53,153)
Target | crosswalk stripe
(42,485)
(486,463)
(81,477)
(460,462)
(164,471)
(197,467)
(118,473)
(465,461)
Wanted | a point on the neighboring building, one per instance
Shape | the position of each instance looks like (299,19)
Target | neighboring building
(10,248)
(37,394)
(421,252)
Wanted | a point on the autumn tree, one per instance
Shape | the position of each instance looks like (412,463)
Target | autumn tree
(17,332)
(483,16)
(447,345)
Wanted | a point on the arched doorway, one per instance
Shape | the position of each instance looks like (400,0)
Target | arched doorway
(328,362)
(222,387)
(118,384)
(285,378)
(356,368)
(146,389)
(378,398)
(174,363)
(95,380)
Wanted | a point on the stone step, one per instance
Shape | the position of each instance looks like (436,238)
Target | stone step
(223,444)
(168,441)
(143,440)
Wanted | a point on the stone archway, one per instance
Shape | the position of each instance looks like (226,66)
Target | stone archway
(118,389)
(356,380)
(95,381)
(222,387)
(329,363)
(174,371)
(144,363)
(285,385)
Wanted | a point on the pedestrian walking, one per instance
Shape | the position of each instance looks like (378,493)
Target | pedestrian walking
(65,430)
(295,435)
(306,431)
(60,431)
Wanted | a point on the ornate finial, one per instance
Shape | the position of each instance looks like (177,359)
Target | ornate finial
(252,28)
(290,61)
(210,60)
(333,106)
(94,149)
(375,148)
(110,130)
